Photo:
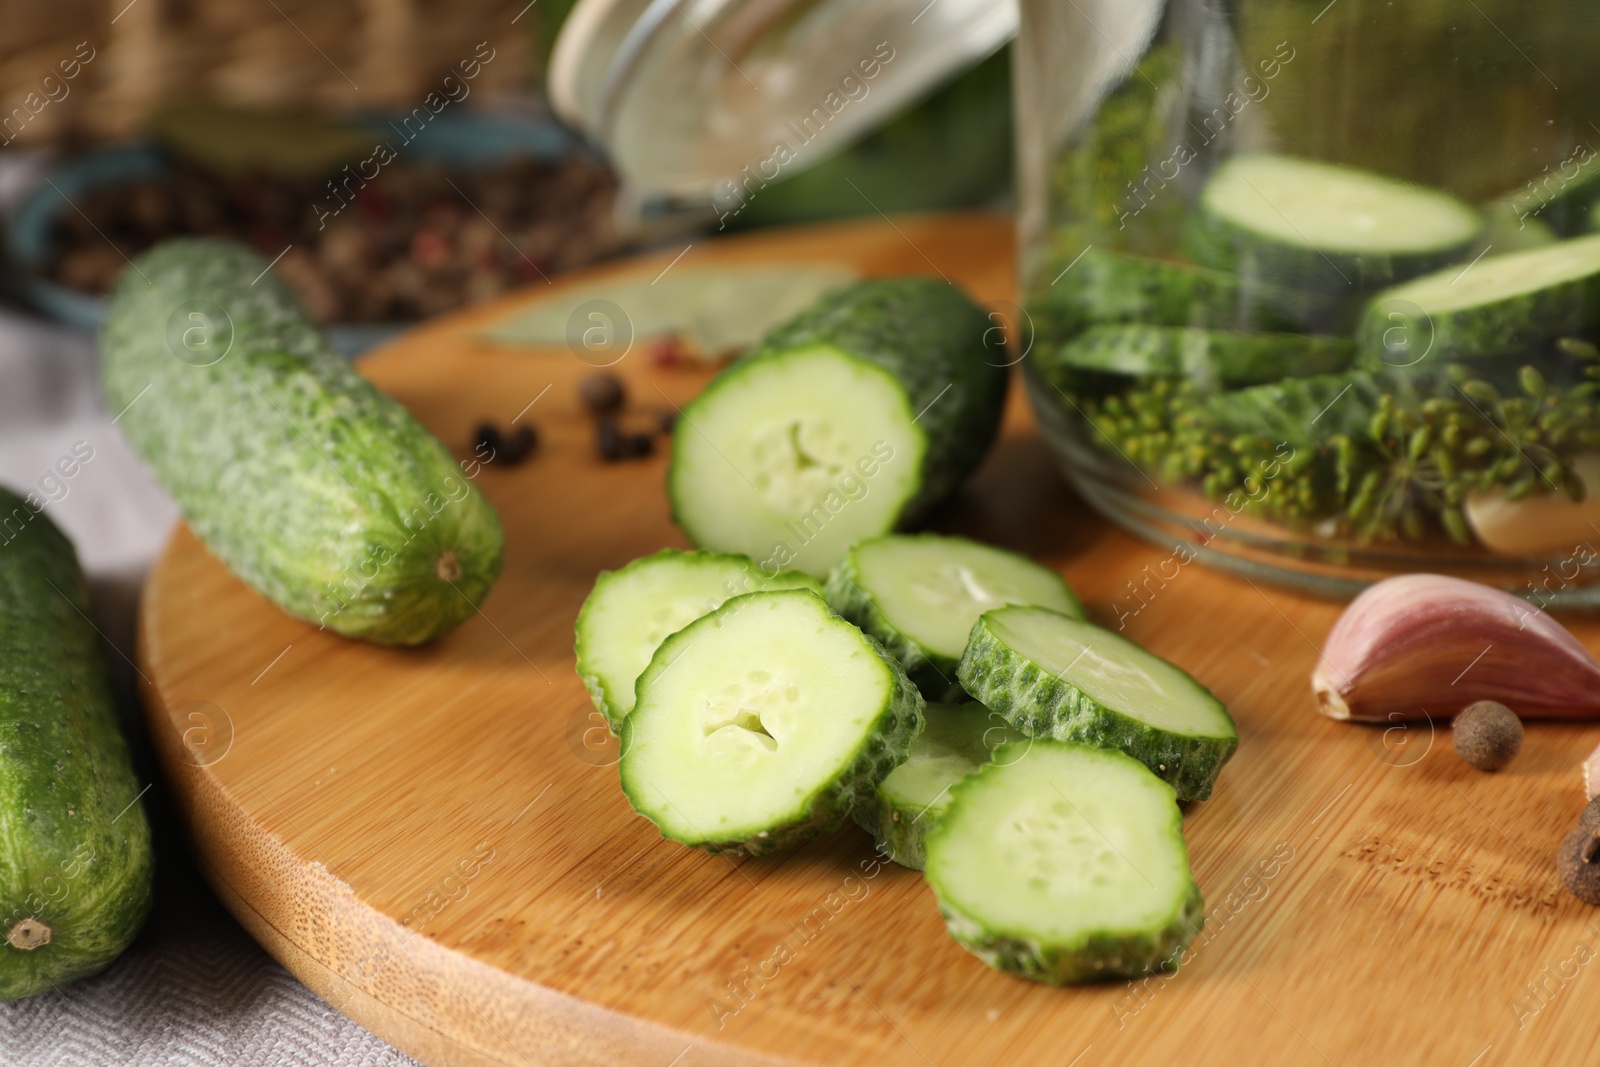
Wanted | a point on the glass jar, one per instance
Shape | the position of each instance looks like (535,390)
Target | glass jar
(1314,287)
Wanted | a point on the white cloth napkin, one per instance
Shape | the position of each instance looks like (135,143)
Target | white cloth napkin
(193,990)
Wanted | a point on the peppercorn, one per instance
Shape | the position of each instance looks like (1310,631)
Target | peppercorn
(1487,735)
(1578,864)
(1590,819)
(487,436)
(608,440)
(602,393)
(520,445)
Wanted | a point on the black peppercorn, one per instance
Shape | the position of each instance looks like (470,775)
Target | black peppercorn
(520,445)
(608,440)
(602,393)
(487,439)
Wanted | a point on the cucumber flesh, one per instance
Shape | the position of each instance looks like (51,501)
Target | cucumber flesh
(1211,358)
(791,459)
(632,610)
(1061,862)
(764,723)
(1054,676)
(851,419)
(920,594)
(1500,305)
(1299,222)
(956,741)
(1299,202)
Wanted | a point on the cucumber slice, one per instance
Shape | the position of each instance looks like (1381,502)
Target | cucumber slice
(919,594)
(763,723)
(1301,223)
(1210,358)
(956,741)
(1109,287)
(1500,305)
(1054,676)
(1062,863)
(848,421)
(631,611)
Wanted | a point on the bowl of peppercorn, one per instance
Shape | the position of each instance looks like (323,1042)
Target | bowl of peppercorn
(373,234)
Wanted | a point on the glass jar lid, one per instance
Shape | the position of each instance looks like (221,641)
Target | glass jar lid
(695,100)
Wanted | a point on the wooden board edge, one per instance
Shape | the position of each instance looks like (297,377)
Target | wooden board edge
(313,924)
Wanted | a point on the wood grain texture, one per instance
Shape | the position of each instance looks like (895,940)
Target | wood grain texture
(435,842)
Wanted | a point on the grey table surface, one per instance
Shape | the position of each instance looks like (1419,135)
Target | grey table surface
(193,989)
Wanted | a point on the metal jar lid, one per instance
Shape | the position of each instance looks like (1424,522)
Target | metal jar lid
(694,99)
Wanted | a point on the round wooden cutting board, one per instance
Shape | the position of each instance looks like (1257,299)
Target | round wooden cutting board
(434,840)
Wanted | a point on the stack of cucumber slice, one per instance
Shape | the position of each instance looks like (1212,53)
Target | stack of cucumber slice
(1378,350)
(758,708)
(1047,821)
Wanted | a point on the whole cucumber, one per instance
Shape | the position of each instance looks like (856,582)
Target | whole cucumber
(320,492)
(75,858)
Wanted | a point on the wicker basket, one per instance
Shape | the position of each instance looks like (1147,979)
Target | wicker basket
(96,69)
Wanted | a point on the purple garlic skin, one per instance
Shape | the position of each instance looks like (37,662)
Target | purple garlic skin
(1426,646)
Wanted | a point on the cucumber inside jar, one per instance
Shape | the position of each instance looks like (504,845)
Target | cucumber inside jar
(1430,359)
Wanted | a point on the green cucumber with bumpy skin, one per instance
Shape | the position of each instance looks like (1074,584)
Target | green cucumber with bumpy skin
(855,417)
(75,856)
(1054,676)
(919,595)
(1065,863)
(764,723)
(957,740)
(1499,306)
(632,610)
(1311,225)
(1212,359)
(314,488)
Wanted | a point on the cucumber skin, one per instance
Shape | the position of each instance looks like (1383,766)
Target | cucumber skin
(591,681)
(1112,288)
(1041,705)
(1571,308)
(934,674)
(74,854)
(931,338)
(901,832)
(884,749)
(245,446)
(1212,358)
(1102,956)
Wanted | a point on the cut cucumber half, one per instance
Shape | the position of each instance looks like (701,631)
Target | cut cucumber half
(632,610)
(1062,862)
(1210,358)
(919,594)
(846,422)
(956,741)
(763,723)
(1050,675)
(1300,223)
(1500,305)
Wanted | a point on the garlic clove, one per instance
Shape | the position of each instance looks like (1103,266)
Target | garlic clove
(1426,645)
(1540,523)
